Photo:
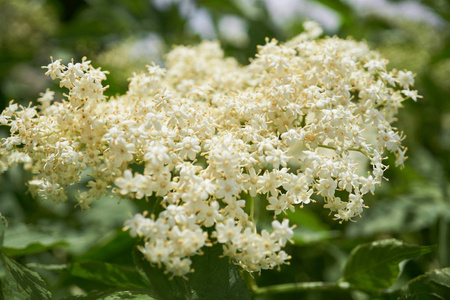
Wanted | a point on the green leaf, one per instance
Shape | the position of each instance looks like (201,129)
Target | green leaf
(304,236)
(19,282)
(215,277)
(162,285)
(115,294)
(311,229)
(374,266)
(405,213)
(307,218)
(109,274)
(25,239)
(111,245)
(431,285)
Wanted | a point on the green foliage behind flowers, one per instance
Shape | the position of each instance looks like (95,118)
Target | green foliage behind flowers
(286,127)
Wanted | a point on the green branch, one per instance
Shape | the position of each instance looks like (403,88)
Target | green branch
(360,150)
(252,210)
(300,287)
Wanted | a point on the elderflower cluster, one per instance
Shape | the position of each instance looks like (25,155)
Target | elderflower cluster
(206,140)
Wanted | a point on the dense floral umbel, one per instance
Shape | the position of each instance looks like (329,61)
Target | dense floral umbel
(210,135)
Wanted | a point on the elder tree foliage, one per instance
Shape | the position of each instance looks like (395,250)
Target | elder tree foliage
(203,142)
(284,126)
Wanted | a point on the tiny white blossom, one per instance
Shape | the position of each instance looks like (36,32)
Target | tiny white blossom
(405,78)
(282,232)
(228,231)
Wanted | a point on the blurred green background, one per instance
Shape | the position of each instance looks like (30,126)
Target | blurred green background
(123,36)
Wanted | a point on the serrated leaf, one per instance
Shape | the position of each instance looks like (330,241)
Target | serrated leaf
(374,266)
(109,274)
(25,239)
(215,277)
(434,284)
(19,282)
(163,286)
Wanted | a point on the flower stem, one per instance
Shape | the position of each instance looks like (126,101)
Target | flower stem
(360,150)
(301,286)
(252,210)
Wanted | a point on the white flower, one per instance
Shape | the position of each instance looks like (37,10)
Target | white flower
(54,69)
(178,266)
(153,120)
(233,209)
(405,78)
(269,182)
(120,151)
(375,65)
(158,252)
(189,147)
(209,214)
(282,232)
(413,94)
(278,204)
(156,156)
(251,182)
(368,184)
(389,78)
(277,157)
(125,183)
(143,186)
(86,88)
(135,225)
(326,187)
(304,197)
(227,189)
(334,204)
(228,231)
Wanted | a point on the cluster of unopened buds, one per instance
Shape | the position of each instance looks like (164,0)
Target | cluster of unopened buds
(206,140)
